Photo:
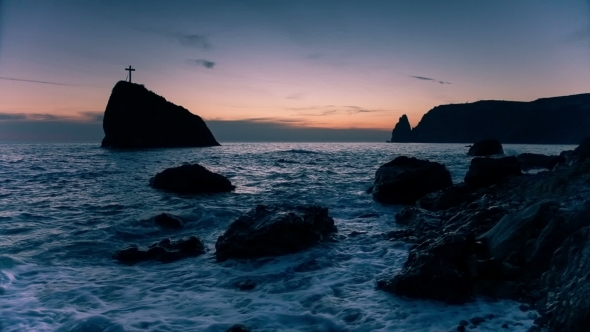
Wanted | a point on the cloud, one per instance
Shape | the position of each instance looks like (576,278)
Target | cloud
(201,62)
(295,96)
(331,110)
(32,81)
(87,117)
(194,40)
(281,130)
(422,78)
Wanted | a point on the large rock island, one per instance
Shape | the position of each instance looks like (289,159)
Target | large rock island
(138,118)
(558,120)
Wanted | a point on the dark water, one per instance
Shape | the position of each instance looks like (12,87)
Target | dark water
(65,208)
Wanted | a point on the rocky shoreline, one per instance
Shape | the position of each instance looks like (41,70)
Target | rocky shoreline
(522,237)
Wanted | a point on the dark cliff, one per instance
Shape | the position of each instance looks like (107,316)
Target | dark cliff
(138,118)
(558,120)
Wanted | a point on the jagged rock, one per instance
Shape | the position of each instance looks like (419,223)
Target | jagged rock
(164,251)
(513,238)
(436,269)
(567,285)
(138,118)
(486,147)
(191,179)
(558,120)
(166,220)
(529,161)
(274,230)
(488,171)
(447,198)
(580,153)
(405,179)
(403,131)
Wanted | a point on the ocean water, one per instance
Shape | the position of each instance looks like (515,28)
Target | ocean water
(66,208)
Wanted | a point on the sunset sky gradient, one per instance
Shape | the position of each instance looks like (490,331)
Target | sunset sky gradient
(322,64)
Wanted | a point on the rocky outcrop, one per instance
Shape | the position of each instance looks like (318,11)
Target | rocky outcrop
(274,230)
(164,251)
(169,221)
(138,118)
(567,286)
(530,161)
(191,179)
(402,131)
(405,179)
(488,171)
(486,147)
(558,120)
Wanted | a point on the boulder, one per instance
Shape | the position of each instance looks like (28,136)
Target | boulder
(402,132)
(164,251)
(138,118)
(437,269)
(529,161)
(447,198)
(580,153)
(486,147)
(567,285)
(487,171)
(191,179)
(274,230)
(406,179)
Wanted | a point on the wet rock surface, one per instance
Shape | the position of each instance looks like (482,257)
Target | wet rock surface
(191,179)
(164,251)
(524,238)
(274,230)
(405,179)
(530,161)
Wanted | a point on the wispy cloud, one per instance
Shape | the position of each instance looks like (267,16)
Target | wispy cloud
(331,110)
(32,81)
(295,96)
(202,63)
(46,117)
(194,40)
(422,78)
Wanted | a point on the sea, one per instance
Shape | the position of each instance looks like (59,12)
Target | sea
(66,208)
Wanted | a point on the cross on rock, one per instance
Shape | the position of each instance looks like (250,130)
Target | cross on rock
(130,70)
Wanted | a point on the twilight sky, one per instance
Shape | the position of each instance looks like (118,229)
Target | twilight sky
(261,70)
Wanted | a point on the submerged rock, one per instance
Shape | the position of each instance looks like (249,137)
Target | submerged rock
(166,220)
(138,118)
(191,179)
(486,147)
(238,328)
(568,286)
(488,171)
(405,179)
(529,161)
(274,230)
(164,251)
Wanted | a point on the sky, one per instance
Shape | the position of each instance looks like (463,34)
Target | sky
(282,70)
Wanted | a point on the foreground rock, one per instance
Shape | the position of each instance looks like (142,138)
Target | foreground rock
(405,179)
(487,171)
(138,118)
(274,230)
(567,285)
(164,251)
(487,147)
(529,161)
(191,179)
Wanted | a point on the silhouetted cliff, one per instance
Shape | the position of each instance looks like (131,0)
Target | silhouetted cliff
(138,118)
(558,120)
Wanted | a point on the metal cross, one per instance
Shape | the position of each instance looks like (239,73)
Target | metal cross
(130,70)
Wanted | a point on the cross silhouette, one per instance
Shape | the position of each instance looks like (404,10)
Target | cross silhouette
(130,70)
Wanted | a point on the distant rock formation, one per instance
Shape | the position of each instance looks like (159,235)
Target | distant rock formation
(403,131)
(558,120)
(138,118)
